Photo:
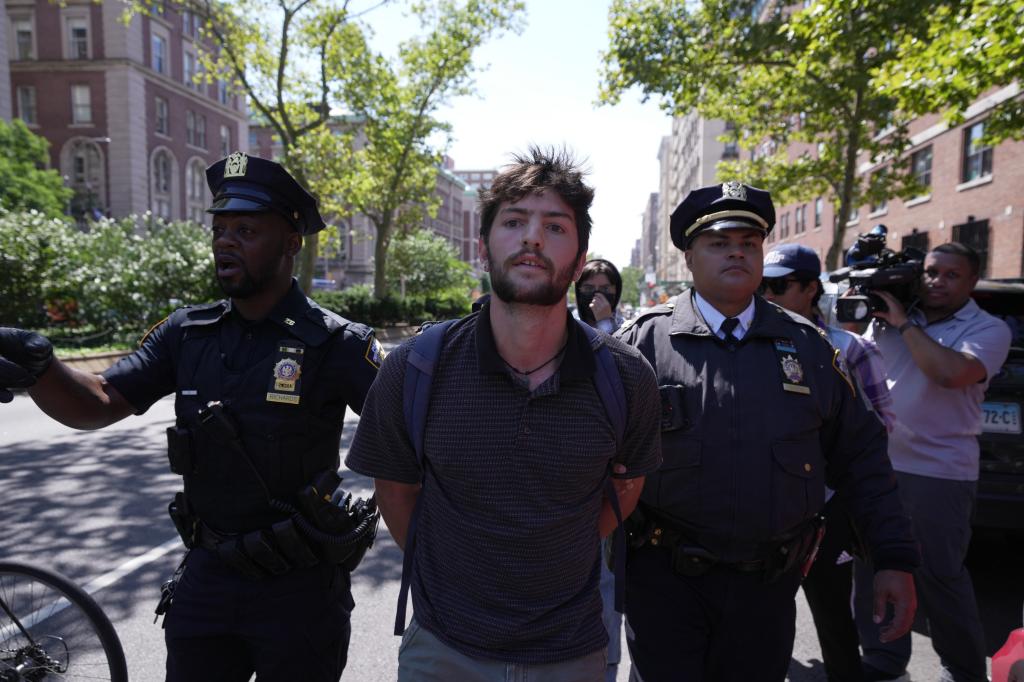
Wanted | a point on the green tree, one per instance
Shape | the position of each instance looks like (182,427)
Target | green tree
(31,245)
(25,181)
(803,77)
(631,280)
(389,171)
(125,275)
(299,62)
(970,47)
(426,264)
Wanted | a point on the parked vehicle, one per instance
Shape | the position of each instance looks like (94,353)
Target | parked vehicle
(1001,482)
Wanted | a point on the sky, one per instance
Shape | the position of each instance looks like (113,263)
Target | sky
(540,87)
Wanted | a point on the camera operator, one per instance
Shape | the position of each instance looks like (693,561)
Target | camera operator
(940,356)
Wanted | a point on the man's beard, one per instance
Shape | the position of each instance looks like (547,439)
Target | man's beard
(543,293)
(246,285)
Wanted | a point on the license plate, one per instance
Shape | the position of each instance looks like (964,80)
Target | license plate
(1000,418)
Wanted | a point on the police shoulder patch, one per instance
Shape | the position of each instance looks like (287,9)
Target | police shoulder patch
(375,353)
(839,365)
(150,331)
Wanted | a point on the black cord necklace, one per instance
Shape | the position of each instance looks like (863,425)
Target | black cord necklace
(547,362)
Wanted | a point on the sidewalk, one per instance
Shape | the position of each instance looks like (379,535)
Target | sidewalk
(98,362)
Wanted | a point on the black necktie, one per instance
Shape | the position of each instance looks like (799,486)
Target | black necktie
(728,325)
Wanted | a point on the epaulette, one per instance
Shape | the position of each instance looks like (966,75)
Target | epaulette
(665,308)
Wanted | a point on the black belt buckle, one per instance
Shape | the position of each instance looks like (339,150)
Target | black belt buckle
(692,561)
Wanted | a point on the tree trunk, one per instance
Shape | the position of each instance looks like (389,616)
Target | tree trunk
(307,261)
(380,258)
(851,150)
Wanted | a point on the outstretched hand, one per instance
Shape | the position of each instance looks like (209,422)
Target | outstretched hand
(31,351)
(12,376)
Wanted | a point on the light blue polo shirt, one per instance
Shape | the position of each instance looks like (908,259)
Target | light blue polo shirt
(936,428)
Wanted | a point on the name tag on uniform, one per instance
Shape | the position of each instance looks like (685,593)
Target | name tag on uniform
(286,378)
(793,377)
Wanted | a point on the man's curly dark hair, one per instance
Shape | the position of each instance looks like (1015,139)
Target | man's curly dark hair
(540,170)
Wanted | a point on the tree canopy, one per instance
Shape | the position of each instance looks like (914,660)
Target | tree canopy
(357,128)
(25,181)
(969,48)
(804,89)
(426,264)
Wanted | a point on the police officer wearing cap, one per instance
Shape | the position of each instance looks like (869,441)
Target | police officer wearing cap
(261,380)
(757,416)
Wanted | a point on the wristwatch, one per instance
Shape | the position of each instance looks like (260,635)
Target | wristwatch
(907,325)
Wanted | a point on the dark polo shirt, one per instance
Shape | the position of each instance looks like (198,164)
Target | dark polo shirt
(507,552)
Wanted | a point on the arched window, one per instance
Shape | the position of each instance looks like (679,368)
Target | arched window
(163,184)
(195,190)
(83,168)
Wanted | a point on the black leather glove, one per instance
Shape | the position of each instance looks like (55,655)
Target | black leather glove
(33,352)
(12,376)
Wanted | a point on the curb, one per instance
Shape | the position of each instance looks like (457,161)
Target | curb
(98,362)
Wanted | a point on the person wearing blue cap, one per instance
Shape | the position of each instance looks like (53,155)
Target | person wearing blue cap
(792,279)
(262,380)
(757,416)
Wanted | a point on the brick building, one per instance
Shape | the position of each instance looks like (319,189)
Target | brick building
(130,129)
(5,70)
(976,196)
(688,158)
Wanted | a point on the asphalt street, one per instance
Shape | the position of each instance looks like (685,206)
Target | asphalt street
(93,506)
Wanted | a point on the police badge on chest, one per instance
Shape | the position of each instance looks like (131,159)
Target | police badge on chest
(286,376)
(793,377)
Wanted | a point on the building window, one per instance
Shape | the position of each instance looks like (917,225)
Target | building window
(916,239)
(162,185)
(163,122)
(190,71)
(81,104)
(225,140)
(27,104)
(784,226)
(195,189)
(800,225)
(201,131)
(854,213)
(819,208)
(254,141)
(222,92)
(159,56)
(880,206)
(78,38)
(977,157)
(86,178)
(190,23)
(190,127)
(974,233)
(921,166)
(156,7)
(23,38)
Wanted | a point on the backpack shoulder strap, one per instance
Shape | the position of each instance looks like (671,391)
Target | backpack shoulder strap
(608,383)
(610,389)
(419,377)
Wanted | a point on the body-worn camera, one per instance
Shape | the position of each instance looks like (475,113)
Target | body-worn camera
(871,266)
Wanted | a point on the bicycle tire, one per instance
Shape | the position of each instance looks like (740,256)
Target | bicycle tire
(63,619)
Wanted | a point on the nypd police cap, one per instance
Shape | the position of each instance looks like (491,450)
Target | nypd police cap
(731,205)
(248,184)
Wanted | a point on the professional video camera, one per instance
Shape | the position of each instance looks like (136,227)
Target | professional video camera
(871,266)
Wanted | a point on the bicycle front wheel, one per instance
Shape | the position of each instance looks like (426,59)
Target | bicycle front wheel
(50,629)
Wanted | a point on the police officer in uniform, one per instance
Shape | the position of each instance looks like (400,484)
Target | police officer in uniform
(261,380)
(758,414)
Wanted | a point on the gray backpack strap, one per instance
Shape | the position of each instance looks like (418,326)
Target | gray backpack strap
(613,396)
(419,377)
